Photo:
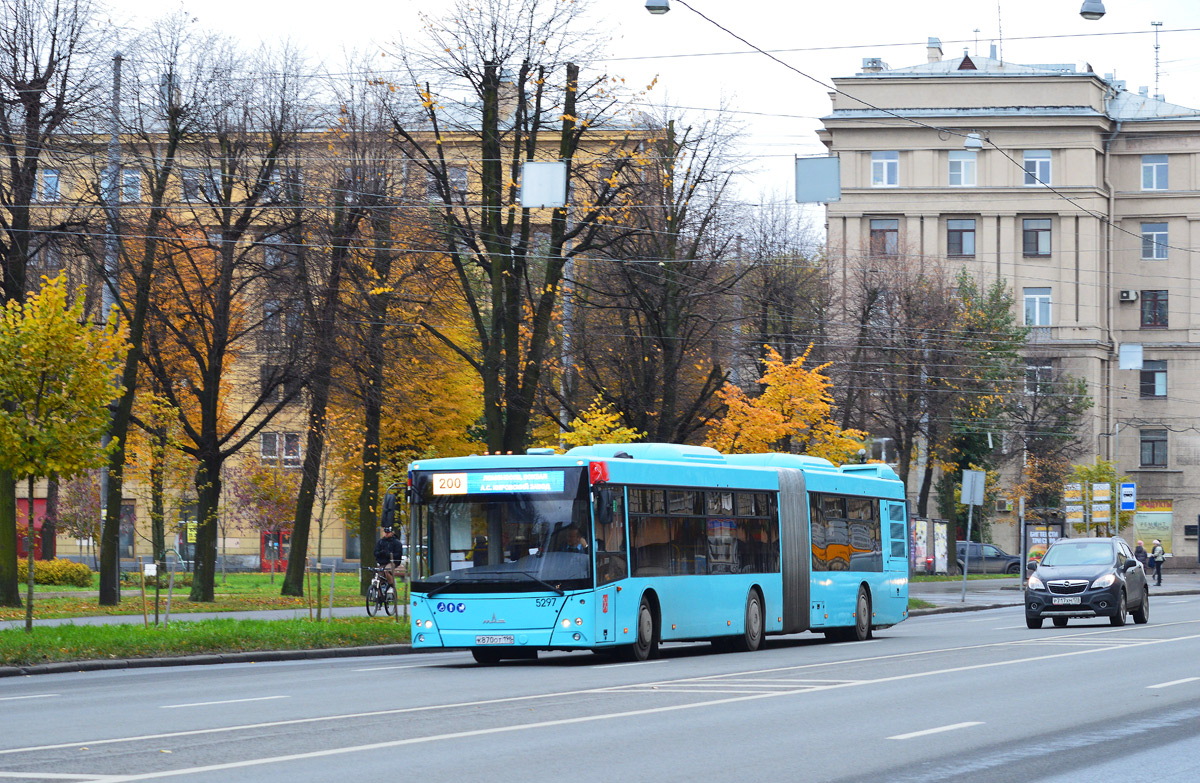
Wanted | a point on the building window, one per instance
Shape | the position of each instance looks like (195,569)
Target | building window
(1154,241)
(131,185)
(273,253)
(1037,167)
(1154,448)
(456,178)
(271,315)
(885,237)
(1037,306)
(962,168)
(1154,309)
(885,169)
(960,237)
(48,189)
(1154,172)
(1038,375)
(280,448)
(1035,237)
(1154,379)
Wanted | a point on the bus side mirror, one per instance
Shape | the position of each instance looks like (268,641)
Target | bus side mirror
(602,504)
(387,515)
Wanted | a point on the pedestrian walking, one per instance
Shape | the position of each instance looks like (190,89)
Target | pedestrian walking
(1139,554)
(1157,555)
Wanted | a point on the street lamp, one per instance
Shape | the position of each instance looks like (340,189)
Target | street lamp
(658,7)
(1092,9)
(974,141)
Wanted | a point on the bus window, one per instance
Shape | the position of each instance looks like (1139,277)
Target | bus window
(611,558)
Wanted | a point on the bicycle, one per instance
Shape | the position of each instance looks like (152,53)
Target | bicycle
(380,594)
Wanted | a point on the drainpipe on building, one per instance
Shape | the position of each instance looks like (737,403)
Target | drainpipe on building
(1108,281)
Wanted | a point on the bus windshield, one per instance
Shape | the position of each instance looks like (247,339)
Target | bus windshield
(503,542)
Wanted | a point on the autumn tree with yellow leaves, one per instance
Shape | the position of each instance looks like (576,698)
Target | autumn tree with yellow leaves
(56,375)
(794,414)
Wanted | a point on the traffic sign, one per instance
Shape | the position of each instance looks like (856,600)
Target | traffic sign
(1129,496)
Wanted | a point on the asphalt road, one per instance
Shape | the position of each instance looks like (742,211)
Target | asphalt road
(936,698)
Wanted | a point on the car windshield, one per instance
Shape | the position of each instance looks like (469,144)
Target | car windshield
(504,542)
(1071,553)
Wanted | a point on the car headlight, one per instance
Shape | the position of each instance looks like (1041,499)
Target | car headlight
(1035,583)
(1104,581)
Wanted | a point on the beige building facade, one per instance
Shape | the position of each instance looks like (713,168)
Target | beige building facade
(1084,197)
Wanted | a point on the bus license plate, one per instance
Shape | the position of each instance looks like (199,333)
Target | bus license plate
(493,640)
(1070,599)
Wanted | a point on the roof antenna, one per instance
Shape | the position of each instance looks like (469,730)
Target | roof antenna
(976,41)
(1157,26)
(999,32)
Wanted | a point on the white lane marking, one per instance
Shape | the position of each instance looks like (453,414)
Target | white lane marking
(1173,682)
(631,663)
(382,668)
(610,689)
(55,776)
(35,696)
(938,730)
(1179,602)
(1007,627)
(226,701)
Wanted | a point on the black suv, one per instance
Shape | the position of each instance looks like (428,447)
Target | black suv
(987,559)
(1087,577)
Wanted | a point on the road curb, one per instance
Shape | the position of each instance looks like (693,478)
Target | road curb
(260,656)
(979,607)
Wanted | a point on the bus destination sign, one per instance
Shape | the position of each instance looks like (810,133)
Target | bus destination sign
(511,481)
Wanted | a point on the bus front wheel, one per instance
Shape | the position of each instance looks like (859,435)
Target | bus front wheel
(646,646)
(485,656)
(752,636)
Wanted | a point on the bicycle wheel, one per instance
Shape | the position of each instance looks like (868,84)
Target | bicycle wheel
(372,599)
(389,600)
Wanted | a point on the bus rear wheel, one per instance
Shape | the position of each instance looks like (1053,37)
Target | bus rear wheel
(752,636)
(862,617)
(646,646)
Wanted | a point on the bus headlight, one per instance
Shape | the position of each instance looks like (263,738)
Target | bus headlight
(420,637)
(566,623)
(579,621)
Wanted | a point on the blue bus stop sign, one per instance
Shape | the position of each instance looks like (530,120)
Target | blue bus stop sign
(1129,496)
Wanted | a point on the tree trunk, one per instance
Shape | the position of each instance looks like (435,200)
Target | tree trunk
(208,492)
(10,590)
(50,521)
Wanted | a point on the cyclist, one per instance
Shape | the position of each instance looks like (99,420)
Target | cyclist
(388,552)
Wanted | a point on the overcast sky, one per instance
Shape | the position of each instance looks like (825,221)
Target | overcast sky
(699,65)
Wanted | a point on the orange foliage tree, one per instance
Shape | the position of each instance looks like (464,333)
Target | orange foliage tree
(793,414)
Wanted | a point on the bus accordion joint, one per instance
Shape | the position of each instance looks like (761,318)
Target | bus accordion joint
(598,472)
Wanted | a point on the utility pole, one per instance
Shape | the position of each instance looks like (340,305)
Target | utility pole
(110,540)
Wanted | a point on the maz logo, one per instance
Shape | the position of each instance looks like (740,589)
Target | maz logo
(493,621)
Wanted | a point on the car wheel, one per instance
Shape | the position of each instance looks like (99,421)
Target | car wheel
(1141,615)
(1015,568)
(1033,622)
(1060,622)
(1118,619)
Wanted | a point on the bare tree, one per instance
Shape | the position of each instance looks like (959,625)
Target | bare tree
(509,90)
(664,298)
(214,302)
(49,73)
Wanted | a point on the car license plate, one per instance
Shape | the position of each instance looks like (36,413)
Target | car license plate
(493,639)
(1066,599)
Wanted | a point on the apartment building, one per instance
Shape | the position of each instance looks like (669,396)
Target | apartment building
(1084,196)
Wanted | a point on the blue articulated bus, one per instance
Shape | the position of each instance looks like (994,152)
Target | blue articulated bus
(622,546)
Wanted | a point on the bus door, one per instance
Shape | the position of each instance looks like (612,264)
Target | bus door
(896,527)
(611,558)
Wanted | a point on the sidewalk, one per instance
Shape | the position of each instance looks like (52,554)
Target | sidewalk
(995,593)
(191,617)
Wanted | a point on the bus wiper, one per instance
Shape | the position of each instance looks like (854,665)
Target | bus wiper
(439,588)
(546,585)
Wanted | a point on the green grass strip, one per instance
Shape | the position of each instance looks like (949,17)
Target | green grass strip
(91,642)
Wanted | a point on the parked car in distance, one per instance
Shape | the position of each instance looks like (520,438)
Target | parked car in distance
(987,559)
(1087,577)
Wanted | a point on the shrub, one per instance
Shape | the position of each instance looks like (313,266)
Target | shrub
(134,579)
(55,572)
